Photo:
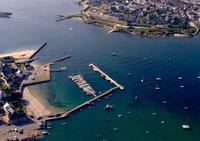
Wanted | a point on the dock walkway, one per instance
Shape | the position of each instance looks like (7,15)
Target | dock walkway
(103,74)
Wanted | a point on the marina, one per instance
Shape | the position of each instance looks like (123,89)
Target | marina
(79,80)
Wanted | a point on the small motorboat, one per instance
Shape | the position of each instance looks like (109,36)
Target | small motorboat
(154,114)
(162,122)
(181,86)
(142,80)
(45,133)
(157,88)
(186,127)
(136,97)
(114,54)
(108,107)
(180,78)
(115,129)
(64,123)
(129,74)
(198,77)
(119,116)
(158,78)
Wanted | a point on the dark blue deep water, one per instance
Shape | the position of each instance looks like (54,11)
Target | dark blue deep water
(33,23)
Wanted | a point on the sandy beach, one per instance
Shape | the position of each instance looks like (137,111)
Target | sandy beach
(34,106)
(20,54)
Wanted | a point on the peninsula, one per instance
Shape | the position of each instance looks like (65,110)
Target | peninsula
(180,18)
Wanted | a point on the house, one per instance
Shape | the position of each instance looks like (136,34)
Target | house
(8,109)
(9,70)
(8,60)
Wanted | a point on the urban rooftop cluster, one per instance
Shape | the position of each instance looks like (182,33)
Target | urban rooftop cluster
(12,73)
(148,17)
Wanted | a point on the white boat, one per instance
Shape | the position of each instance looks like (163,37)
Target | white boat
(198,77)
(136,97)
(158,79)
(114,54)
(180,78)
(141,80)
(157,88)
(162,122)
(129,74)
(186,126)
(45,133)
(154,114)
(108,107)
(64,123)
(119,116)
(115,129)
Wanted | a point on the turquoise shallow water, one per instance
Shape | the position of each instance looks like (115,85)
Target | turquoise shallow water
(33,23)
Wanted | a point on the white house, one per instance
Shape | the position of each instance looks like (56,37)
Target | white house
(8,109)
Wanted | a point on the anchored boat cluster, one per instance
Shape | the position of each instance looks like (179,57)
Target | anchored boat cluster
(79,80)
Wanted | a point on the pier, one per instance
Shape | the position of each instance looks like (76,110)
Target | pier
(104,75)
(37,50)
(85,104)
(59,69)
(79,80)
(61,59)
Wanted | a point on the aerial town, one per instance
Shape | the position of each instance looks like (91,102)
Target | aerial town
(143,17)
(12,73)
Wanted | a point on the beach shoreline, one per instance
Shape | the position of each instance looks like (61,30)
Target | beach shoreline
(34,106)
(19,54)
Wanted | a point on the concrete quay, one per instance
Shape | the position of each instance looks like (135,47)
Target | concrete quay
(39,75)
(104,75)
